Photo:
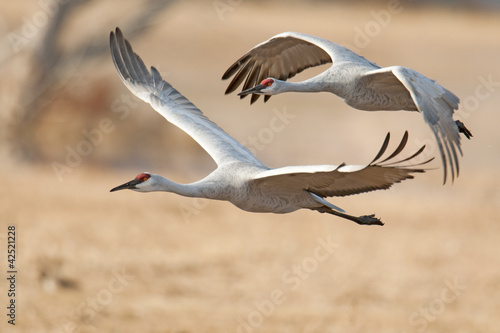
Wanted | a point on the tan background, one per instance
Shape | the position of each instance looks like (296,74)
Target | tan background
(199,266)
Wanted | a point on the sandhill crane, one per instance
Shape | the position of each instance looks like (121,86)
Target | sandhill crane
(240,177)
(361,83)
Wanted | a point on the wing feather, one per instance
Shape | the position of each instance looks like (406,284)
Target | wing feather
(436,104)
(337,180)
(281,57)
(151,88)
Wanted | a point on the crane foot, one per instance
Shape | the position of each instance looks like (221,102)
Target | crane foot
(369,220)
(462,129)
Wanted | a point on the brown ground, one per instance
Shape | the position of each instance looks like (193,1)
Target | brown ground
(197,266)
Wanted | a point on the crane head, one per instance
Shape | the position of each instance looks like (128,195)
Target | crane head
(139,183)
(265,87)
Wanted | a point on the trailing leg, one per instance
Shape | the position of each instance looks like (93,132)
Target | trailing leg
(362,220)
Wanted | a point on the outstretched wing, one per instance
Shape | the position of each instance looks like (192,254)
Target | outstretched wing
(280,57)
(341,180)
(177,109)
(436,104)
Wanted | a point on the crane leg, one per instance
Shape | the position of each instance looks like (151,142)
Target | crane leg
(362,220)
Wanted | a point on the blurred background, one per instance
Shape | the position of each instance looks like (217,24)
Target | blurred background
(93,261)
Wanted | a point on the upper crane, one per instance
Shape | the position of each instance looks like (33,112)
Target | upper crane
(361,83)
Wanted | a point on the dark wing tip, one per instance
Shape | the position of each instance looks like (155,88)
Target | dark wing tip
(383,148)
(281,57)
(397,151)
(254,98)
(400,147)
(118,33)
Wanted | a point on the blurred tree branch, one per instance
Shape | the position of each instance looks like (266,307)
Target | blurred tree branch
(49,68)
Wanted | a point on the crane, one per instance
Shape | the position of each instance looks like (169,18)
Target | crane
(240,177)
(361,83)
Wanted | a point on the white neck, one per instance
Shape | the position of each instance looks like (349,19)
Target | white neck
(312,85)
(166,185)
(199,189)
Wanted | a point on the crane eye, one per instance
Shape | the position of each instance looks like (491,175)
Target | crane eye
(267,82)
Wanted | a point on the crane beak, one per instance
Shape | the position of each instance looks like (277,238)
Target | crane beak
(127,186)
(255,90)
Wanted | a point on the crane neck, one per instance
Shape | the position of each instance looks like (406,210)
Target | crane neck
(167,185)
(199,189)
(315,84)
(302,86)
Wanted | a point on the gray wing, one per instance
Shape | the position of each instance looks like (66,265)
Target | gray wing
(436,104)
(341,180)
(280,57)
(173,106)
